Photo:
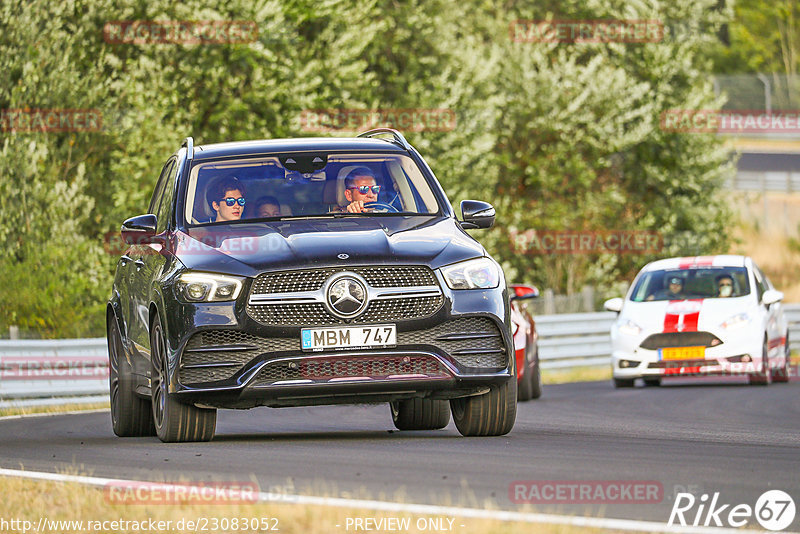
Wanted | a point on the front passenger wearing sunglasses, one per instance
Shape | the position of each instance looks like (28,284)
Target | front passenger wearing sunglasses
(360,188)
(228,195)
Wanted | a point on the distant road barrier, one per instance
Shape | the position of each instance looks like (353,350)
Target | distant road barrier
(71,367)
(53,367)
(574,339)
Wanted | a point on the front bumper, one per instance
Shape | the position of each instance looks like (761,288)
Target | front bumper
(253,388)
(739,353)
(294,378)
(221,358)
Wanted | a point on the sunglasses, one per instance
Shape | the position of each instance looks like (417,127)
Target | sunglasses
(364,189)
(725,284)
(230,201)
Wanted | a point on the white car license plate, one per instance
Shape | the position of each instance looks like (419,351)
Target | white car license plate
(349,337)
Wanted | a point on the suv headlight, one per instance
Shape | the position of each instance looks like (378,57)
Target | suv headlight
(736,321)
(480,273)
(207,287)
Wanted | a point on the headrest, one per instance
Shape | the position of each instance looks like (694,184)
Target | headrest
(333,193)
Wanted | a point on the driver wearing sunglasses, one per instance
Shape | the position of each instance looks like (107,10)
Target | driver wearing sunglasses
(228,195)
(361,187)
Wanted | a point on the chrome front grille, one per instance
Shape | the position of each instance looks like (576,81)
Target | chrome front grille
(292,314)
(397,276)
(398,309)
(296,298)
(312,279)
(291,281)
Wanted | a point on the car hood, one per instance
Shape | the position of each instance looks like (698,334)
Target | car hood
(685,315)
(247,249)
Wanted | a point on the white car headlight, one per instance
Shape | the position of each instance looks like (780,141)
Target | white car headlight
(207,287)
(480,273)
(736,321)
(630,328)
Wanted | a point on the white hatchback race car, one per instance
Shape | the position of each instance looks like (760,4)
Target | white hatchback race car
(699,316)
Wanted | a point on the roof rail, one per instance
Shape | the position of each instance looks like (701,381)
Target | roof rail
(189,144)
(398,137)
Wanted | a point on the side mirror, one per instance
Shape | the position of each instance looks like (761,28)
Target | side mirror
(771,296)
(476,214)
(614,305)
(139,230)
(524,292)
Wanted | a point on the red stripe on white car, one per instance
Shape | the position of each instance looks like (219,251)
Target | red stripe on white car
(777,342)
(697,261)
(675,321)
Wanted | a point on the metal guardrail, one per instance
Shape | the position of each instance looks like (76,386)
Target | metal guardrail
(781,181)
(53,368)
(574,339)
(69,367)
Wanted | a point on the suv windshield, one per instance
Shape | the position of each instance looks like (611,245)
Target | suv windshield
(306,185)
(699,283)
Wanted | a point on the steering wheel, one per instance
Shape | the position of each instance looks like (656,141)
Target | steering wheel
(381,207)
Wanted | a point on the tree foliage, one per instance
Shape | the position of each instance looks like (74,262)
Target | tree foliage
(557,136)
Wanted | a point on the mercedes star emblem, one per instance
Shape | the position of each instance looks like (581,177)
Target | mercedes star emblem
(346,295)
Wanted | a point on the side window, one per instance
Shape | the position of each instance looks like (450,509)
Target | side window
(167,196)
(162,178)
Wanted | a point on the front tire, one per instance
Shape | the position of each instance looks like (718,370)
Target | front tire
(174,421)
(764,376)
(490,414)
(420,414)
(623,382)
(130,414)
(782,375)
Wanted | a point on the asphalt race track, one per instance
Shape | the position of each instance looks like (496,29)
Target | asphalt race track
(709,436)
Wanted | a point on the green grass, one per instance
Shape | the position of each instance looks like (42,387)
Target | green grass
(29,410)
(31,500)
(576,374)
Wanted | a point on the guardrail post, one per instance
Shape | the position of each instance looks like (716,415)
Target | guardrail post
(13,332)
(549,302)
(587,293)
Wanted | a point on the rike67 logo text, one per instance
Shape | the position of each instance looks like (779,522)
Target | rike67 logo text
(774,510)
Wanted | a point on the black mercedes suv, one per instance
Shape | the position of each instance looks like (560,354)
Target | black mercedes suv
(296,272)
